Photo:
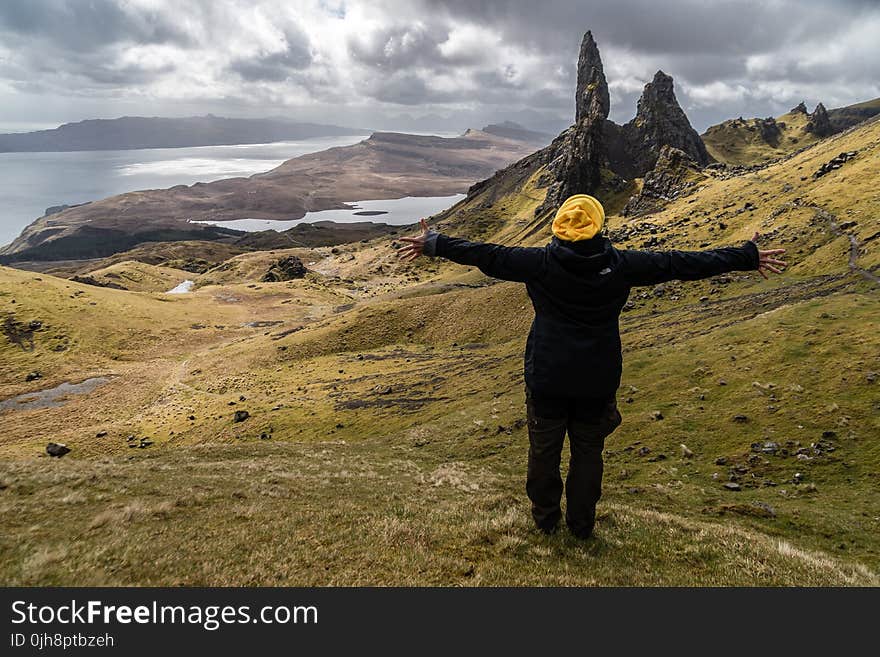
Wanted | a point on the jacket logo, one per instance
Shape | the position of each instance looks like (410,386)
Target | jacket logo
(607,270)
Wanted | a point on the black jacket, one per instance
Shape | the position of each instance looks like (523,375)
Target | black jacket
(578,290)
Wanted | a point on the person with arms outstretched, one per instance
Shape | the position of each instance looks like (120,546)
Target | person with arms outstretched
(578,284)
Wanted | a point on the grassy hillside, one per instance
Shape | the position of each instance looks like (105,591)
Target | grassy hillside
(741,142)
(757,141)
(385,439)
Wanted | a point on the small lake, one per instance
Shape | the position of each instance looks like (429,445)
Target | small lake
(397,212)
(182,288)
(51,397)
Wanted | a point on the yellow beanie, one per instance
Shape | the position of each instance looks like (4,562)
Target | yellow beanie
(580,217)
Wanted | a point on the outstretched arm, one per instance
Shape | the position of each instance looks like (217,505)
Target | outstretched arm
(511,263)
(651,267)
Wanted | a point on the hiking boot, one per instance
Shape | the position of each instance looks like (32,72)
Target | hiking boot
(584,529)
(549,530)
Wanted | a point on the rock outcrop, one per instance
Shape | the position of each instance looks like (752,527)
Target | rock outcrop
(285,269)
(800,108)
(769,130)
(835,163)
(659,122)
(819,123)
(91,280)
(576,156)
(575,161)
(674,175)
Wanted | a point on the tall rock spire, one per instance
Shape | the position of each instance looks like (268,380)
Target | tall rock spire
(578,153)
(591,96)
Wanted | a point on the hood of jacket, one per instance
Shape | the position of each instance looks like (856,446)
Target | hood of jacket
(584,257)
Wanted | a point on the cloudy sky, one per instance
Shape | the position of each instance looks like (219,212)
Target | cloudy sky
(424,65)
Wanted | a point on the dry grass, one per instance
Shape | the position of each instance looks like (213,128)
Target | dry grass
(385,442)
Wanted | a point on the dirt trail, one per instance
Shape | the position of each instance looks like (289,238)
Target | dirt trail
(854,245)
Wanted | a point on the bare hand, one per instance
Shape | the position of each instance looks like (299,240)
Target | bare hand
(766,261)
(415,245)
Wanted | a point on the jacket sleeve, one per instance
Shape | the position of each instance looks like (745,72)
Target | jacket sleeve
(509,263)
(651,267)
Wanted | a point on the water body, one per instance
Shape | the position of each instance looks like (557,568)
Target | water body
(397,212)
(32,182)
(51,397)
(182,288)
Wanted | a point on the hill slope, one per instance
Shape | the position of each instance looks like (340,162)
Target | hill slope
(385,439)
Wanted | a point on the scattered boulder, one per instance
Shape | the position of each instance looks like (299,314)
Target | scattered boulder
(33,376)
(240,416)
(834,163)
(91,280)
(686,453)
(656,415)
(57,449)
(732,485)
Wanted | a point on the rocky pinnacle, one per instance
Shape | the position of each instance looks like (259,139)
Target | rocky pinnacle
(591,96)
(660,121)
(819,124)
(576,156)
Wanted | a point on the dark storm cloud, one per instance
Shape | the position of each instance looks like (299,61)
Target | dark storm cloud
(467,58)
(762,54)
(690,27)
(77,25)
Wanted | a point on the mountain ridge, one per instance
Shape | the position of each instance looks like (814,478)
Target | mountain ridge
(137,132)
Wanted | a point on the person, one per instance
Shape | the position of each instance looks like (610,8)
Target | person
(578,285)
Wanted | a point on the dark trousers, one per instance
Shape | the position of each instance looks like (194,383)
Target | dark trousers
(588,422)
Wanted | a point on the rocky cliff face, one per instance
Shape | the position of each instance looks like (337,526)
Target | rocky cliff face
(659,122)
(819,123)
(576,156)
(674,175)
(591,96)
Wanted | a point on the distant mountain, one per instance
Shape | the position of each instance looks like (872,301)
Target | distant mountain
(130,132)
(387,165)
(511,130)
